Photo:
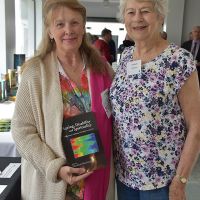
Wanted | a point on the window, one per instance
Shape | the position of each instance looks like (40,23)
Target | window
(24,27)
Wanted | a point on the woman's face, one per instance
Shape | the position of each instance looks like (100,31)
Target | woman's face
(141,21)
(67,28)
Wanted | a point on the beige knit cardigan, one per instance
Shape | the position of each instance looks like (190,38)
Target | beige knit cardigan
(36,129)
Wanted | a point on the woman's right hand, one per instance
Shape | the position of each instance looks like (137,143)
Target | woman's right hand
(72,175)
(177,190)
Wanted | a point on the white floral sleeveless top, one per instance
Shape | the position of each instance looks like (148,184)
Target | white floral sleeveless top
(149,127)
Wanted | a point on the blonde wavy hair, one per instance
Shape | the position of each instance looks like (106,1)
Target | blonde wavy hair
(91,55)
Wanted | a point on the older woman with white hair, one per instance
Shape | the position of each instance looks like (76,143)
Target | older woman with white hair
(156,104)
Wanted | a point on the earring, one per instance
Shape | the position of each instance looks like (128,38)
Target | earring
(51,40)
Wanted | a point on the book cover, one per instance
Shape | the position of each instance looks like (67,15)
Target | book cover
(81,142)
(5,125)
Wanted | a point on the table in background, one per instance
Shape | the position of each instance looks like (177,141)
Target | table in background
(7,109)
(7,145)
(13,189)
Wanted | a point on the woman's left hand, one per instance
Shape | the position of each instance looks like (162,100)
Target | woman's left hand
(72,175)
(177,190)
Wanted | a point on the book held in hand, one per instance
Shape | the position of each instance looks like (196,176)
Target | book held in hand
(81,142)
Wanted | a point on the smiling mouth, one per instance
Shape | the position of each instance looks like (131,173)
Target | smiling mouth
(69,39)
(139,28)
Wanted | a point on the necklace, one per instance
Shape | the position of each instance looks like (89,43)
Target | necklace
(76,97)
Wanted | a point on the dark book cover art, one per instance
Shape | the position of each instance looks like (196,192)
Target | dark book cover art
(81,142)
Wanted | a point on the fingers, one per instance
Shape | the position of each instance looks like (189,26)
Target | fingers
(81,177)
(74,179)
(74,175)
(72,170)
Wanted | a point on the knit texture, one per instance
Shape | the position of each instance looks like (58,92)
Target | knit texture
(37,128)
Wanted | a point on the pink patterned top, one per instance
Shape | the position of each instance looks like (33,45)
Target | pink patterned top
(75,101)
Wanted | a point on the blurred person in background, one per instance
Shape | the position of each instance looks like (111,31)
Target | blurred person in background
(127,42)
(193,46)
(113,50)
(102,44)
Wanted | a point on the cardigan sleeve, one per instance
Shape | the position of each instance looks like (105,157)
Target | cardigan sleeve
(28,127)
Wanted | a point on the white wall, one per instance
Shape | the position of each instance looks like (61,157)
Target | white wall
(3,38)
(100,9)
(10,32)
(191,17)
(25,31)
(183,15)
(174,20)
(30,28)
(7,33)
(38,21)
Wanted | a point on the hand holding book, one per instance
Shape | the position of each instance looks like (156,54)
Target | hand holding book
(72,175)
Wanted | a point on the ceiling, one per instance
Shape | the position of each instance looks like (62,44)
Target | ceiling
(92,1)
(101,8)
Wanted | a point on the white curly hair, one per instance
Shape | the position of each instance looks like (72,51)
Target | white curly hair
(160,6)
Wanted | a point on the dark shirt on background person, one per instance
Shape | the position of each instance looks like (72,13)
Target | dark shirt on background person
(128,42)
(112,50)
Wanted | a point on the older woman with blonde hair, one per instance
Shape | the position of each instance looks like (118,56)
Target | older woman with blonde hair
(65,78)
(155,104)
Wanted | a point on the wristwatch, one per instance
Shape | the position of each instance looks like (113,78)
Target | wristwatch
(182,179)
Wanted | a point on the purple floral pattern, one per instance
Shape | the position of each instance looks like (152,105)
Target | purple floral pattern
(149,127)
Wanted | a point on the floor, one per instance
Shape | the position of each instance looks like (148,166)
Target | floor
(193,187)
